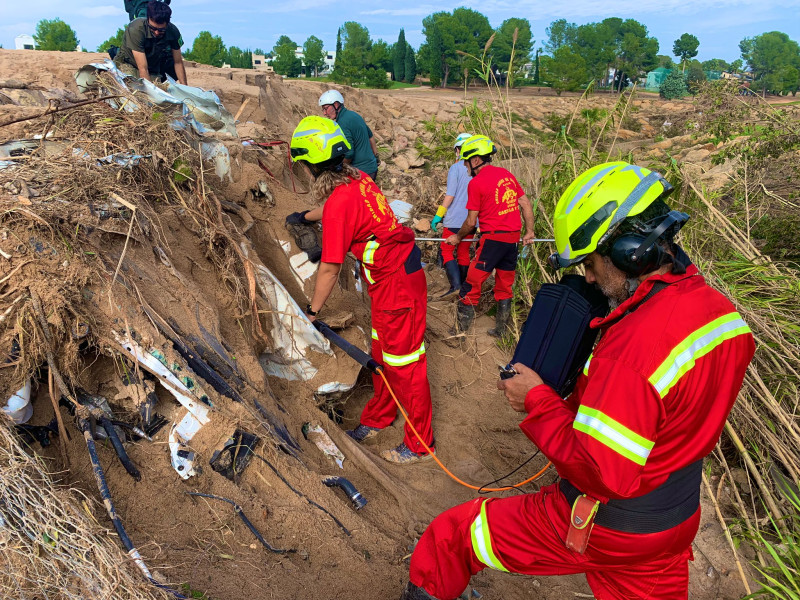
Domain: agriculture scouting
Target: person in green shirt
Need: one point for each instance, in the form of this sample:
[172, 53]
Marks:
[363, 153]
[151, 46]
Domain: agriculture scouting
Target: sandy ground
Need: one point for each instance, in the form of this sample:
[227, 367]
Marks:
[201, 542]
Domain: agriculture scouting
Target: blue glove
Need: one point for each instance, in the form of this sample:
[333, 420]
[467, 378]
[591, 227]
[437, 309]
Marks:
[435, 222]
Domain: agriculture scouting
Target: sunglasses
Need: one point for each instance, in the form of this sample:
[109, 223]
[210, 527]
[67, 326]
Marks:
[157, 29]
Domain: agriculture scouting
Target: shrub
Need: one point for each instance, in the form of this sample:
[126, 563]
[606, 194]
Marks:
[674, 86]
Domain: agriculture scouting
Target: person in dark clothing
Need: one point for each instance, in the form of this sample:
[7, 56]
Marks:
[363, 153]
[151, 46]
[137, 9]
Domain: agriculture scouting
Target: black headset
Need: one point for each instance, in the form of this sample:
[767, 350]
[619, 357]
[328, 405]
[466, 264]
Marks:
[638, 253]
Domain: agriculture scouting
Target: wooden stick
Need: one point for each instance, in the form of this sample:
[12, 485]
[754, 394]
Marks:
[727, 534]
[55, 110]
[241, 109]
[62, 432]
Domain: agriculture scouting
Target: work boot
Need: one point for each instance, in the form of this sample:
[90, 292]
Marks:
[454, 276]
[463, 271]
[413, 592]
[362, 432]
[403, 455]
[501, 318]
[464, 317]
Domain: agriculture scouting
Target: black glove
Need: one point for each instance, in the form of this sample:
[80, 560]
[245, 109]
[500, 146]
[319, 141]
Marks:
[298, 218]
[378, 160]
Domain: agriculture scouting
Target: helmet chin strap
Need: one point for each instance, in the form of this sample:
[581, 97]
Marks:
[472, 169]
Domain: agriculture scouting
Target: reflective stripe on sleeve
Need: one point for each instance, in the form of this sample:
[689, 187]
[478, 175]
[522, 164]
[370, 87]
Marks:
[400, 360]
[586, 366]
[374, 334]
[698, 344]
[613, 434]
[482, 542]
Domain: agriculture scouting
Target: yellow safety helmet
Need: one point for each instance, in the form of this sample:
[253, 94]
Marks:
[595, 204]
[477, 145]
[319, 141]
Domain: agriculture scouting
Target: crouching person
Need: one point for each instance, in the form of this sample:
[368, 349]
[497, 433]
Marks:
[629, 442]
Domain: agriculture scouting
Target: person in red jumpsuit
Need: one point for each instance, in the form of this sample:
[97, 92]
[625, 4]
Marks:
[356, 218]
[496, 198]
[629, 441]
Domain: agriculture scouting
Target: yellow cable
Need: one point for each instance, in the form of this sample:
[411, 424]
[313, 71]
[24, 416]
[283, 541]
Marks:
[436, 458]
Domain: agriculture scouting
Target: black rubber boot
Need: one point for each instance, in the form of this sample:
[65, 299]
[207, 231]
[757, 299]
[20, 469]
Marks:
[454, 277]
[463, 270]
[464, 317]
[413, 592]
[501, 318]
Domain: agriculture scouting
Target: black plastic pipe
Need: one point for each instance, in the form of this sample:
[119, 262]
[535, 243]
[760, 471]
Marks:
[105, 494]
[120, 449]
[357, 354]
[355, 496]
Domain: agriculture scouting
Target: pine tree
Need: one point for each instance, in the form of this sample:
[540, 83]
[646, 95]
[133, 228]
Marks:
[410, 71]
[338, 48]
[399, 57]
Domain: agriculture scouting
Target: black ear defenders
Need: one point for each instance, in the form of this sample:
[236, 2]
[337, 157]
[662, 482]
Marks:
[639, 253]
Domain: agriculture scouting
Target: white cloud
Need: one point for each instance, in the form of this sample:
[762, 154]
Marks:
[422, 10]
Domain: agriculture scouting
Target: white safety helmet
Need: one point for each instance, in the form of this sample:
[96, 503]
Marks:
[462, 137]
[330, 97]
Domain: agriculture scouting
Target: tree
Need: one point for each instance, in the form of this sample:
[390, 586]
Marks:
[768, 55]
[565, 71]
[352, 61]
[399, 57]
[685, 47]
[55, 35]
[695, 76]
[560, 33]
[513, 34]
[595, 43]
[338, 48]
[286, 62]
[314, 53]
[453, 44]
[114, 40]
[376, 78]
[715, 64]
[381, 56]
[736, 66]
[635, 51]
[208, 49]
[239, 59]
[410, 70]
[674, 86]
[664, 62]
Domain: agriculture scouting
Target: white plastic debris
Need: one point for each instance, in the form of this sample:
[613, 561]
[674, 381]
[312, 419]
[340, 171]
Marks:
[401, 210]
[18, 407]
[180, 435]
[322, 440]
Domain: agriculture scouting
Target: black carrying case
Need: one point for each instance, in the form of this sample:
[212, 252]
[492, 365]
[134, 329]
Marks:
[556, 339]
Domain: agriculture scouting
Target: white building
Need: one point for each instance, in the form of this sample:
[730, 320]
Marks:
[24, 42]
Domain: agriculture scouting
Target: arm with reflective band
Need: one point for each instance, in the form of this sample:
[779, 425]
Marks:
[694, 346]
[482, 541]
[602, 447]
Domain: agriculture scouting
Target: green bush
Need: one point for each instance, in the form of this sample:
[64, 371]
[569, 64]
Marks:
[674, 86]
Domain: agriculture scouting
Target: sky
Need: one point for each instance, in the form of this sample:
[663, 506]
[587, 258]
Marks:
[718, 24]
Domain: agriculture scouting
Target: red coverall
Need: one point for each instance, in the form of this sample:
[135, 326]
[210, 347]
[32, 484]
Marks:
[459, 253]
[494, 192]
[653, 399]
[356, 217]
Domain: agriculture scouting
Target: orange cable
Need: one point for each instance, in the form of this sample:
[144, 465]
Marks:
[436, 458]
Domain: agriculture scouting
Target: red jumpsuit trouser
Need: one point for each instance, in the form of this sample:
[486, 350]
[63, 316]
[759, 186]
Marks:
[399, 305]
[526, 534]
[459, 253]
[496, 252]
